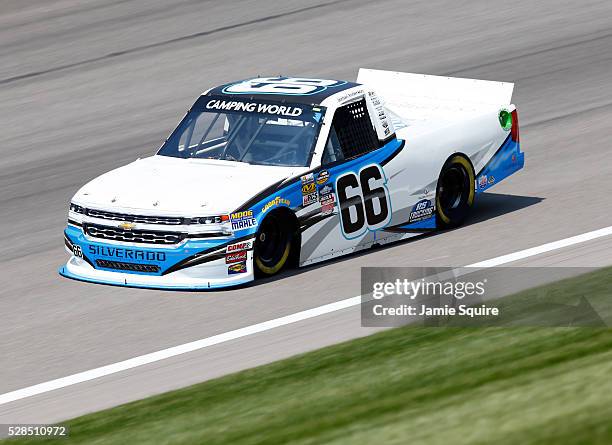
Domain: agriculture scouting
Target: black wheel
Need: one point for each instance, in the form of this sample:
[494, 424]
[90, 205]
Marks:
[455, 192]
[272, 244]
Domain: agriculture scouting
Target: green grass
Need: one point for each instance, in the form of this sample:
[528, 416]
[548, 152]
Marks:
[412, 385]
[580, 301]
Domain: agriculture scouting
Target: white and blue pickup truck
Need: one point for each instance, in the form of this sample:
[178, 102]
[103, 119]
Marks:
[269, 172]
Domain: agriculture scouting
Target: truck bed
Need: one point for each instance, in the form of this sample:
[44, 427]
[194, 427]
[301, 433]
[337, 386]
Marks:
[420, 100]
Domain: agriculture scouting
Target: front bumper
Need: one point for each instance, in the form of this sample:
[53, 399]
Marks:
[213, 272]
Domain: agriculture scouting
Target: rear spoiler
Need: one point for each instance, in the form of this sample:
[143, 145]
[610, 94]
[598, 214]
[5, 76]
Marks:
[421, 95]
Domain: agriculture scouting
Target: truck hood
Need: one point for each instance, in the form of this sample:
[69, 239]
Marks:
[163, 185]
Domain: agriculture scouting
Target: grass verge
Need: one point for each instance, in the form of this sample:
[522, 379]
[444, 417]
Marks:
[429, 385]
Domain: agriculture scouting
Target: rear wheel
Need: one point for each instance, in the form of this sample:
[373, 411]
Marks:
[272, 244]
[455, 192]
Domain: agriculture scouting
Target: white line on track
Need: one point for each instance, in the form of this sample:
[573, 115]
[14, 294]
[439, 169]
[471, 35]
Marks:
[141, 360]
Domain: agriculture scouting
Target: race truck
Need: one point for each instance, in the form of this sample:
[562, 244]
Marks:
[275, 171]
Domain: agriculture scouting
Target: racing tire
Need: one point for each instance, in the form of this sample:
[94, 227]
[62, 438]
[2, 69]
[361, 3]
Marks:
[272, 245]
[455, 192]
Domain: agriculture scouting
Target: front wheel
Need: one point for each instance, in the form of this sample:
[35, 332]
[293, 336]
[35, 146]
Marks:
[272, 245]
[455, 192]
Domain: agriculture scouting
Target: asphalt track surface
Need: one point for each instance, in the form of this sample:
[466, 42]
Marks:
[87, 86]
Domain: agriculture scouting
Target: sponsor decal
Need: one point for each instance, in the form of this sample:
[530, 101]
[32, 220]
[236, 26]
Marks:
[491, 180]
[128, 254]
[326, 190]
[482, 182]
[253, 107]
[236, 257]
[327, 209]
[276, 202]
[513, 157]
[309, 188]
[387, 131]
[243, 245]
[422, 210]
[236, 268]
[328, 199]
[328, 203]
[306, 179]
[348, 96]
[323, 177]
[425, 194]
[309, 199]
[243, 220]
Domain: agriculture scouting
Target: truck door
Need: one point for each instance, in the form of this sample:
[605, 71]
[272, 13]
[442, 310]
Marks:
[364, 201]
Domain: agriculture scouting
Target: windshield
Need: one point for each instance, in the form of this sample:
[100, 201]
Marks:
[251, 132]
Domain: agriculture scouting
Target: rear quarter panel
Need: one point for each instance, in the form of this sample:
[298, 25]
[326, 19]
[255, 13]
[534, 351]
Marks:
[411, 176]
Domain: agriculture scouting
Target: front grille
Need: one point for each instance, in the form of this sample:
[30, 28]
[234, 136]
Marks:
[143, 219]
[133, 236]
[150, 268]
